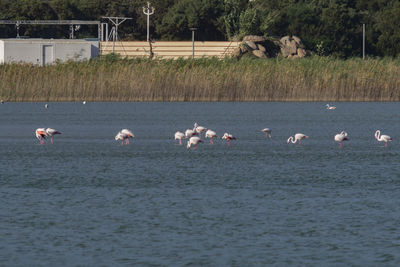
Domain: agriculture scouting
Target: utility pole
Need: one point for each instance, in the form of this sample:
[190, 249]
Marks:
[363, 41]
[114, 31]
[193, 30]
[17, 25]
[146, 11]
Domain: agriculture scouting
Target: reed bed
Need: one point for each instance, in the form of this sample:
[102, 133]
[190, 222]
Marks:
[110, 78]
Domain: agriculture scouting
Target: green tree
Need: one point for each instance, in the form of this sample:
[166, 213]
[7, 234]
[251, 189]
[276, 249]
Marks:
[387, 24]
[161, 9]
[341, 29]
[230, 19]
[33, 10]
[304, 21]
[185, 14]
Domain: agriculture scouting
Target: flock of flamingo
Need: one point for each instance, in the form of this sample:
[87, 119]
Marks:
[194, 136]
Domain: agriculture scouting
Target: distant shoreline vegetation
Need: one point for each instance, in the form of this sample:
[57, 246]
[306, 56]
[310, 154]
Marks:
[110, 78]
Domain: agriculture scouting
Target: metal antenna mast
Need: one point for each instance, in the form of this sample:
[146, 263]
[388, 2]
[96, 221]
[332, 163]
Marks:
[114, 30]
[148, 13]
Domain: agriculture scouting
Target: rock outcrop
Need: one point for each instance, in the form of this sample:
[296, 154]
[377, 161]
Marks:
[258, 46]
[259, 53]
[292, 47]
[262, 47]
[254, 38]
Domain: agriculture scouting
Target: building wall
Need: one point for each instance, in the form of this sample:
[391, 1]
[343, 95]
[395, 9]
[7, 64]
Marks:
[166, 49]
[47, 51]
[21, 52]
[64, 51]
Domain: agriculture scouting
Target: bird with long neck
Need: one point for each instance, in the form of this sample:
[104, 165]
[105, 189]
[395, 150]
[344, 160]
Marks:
[330, 107]
[199, 129]
[190, 132]
[193, 141]
[51, 132]
[382, 138]
[41, 134]
[124, 135]
[267, 132]
[211, 134]
[228, 137]
[340, 137]
[297, 137]
[179, 136]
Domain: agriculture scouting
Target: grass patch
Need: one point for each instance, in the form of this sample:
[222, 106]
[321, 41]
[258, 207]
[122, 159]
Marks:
[111, 78]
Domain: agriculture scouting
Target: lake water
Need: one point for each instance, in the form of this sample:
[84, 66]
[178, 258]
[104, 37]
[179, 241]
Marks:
[88, 201]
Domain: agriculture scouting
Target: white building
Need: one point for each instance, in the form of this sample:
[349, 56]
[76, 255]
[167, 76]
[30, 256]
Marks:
[46, 51]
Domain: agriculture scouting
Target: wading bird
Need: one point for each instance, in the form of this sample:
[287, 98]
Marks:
[193, 141]
[330, 107]
[189, 133]
[297, 137]
[267, 132]
[179, 136]
[51, 132]
[382, 138]
[41, 135]
[124, 134]
[340, 137]
[211, 134]
[199, 129]
[228, 137]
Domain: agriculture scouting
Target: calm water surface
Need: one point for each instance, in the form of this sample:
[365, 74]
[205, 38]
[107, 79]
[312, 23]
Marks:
[87, 201]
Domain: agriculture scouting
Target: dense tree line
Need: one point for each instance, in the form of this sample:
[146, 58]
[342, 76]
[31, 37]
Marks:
[328, 27]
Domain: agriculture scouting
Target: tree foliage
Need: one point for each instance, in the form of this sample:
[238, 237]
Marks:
[330, 27]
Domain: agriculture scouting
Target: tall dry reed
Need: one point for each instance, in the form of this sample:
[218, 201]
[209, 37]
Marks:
[114, 79]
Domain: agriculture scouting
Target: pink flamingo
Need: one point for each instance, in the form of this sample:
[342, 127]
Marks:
[228, 137]
[382, 138]
[189, 133]
[330, 107]
[179, 136]
[211, 134]
[41, 135]
[124, 134]
[341, 137]
[194, 140]
[51, 132]
[267, 132]
[297, 137]
[199, 129]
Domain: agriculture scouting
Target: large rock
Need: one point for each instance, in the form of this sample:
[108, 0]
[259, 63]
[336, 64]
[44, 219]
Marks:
[292, 46]
[285, 46]
[251, 44]
[261, 48]
[237, 52]
[243, 48]
[259, 53]
[298, 41]
[254, 38]
[285, 51]
[285, 40]
[301, 52]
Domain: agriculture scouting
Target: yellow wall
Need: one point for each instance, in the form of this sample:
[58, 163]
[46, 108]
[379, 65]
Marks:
[169, 49]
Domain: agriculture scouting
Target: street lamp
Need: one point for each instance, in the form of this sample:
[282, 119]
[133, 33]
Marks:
[146, 11]
[363, 41]
[193, 30]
